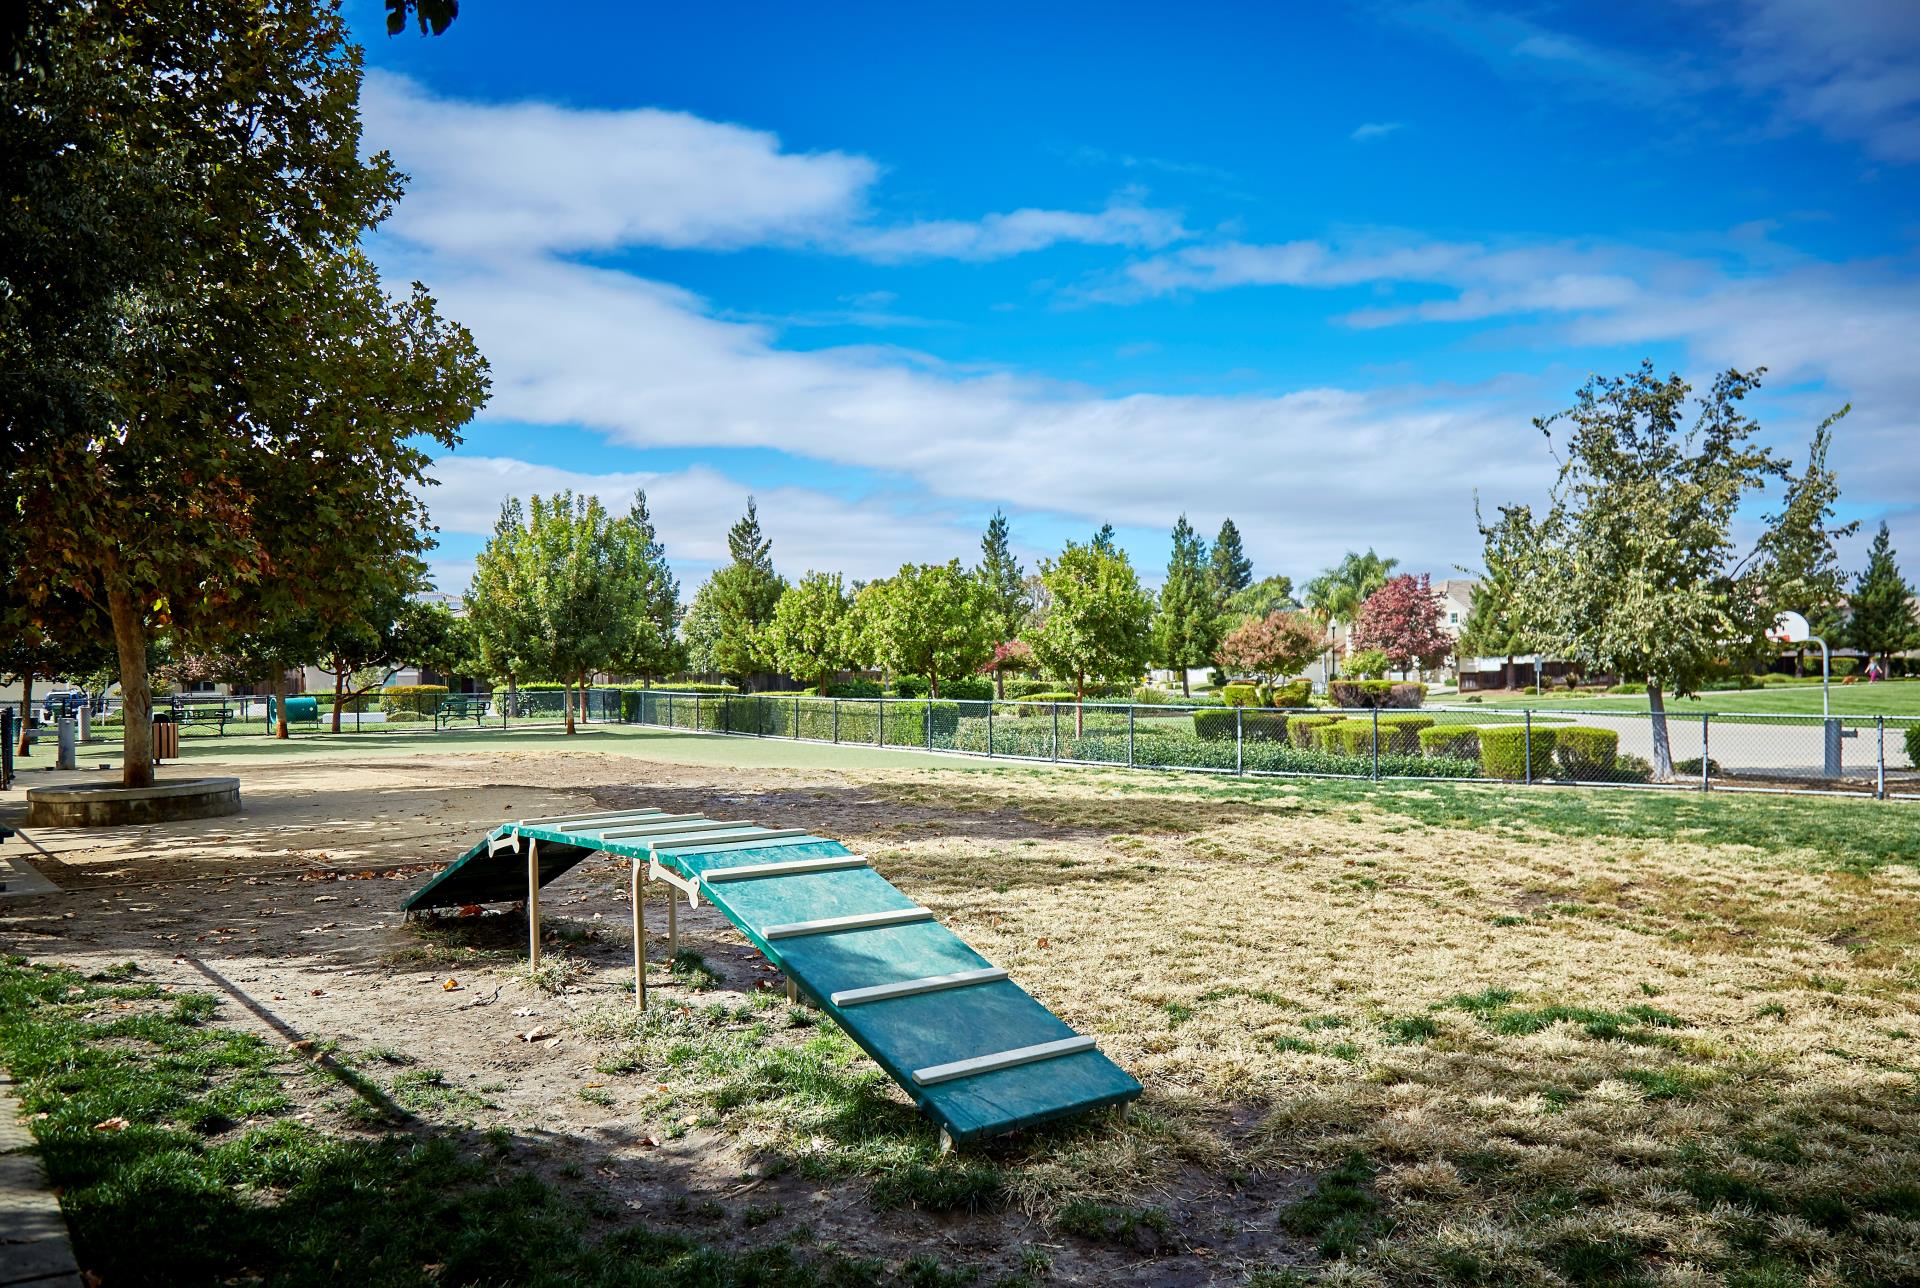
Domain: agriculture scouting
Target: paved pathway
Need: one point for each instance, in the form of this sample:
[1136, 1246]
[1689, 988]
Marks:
[34, 1252]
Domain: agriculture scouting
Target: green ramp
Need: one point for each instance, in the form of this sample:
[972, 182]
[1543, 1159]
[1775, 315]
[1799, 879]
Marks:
[975, 1051]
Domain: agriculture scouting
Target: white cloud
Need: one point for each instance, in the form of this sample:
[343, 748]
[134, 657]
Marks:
[692, 509]
[518, 179]
[1375, 130]
[1851, 69]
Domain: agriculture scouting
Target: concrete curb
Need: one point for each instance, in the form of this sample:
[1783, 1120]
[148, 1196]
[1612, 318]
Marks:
[34, 1249]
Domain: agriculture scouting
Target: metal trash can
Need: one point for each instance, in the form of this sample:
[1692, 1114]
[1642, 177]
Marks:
[166, 736]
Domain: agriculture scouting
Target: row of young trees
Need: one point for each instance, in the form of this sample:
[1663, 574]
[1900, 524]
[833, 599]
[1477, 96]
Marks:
[1634, 568]
[212, 412]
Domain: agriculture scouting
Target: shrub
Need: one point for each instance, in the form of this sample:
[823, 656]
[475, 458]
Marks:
[1631, 769]
[1181, 750]
[771, 716]
[1354, 694]
[1690, 767]
[1504, 752]
[1367, 664]
[1626, 690]
[412, 699]
[857, 688]
[1532, 690]
[1216, 725]
[1451, 740]
[1026, 687]
[688, 687]
[1586, 754]
[1844, 665]
[1036, 700]
[1401, 734]
[1241, 695]
[1300, 729]
[1250, 725]
[1294, 693]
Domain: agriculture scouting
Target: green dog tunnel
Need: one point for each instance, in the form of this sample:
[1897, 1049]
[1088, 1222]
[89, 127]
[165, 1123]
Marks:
[972, 1048]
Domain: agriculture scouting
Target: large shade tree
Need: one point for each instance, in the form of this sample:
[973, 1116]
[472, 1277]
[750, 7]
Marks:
[1634, 569]
[229, 412]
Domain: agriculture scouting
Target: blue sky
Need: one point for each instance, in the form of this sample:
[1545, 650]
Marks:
[890, 269]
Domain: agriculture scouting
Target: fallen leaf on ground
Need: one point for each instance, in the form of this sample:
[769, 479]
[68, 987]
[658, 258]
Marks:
[535, 1034]
[112, 1124]
[450, 985]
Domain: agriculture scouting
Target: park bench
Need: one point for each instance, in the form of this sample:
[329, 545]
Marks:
[203, 713]
[461, 706]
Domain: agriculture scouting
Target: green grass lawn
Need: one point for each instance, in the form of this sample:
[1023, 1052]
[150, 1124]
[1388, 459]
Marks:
[1887, 698]
[181, 1155]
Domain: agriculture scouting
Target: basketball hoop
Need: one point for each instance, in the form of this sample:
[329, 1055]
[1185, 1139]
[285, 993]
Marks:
[1790, 628]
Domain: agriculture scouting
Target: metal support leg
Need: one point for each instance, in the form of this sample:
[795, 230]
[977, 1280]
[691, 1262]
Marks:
[639, 939]
[533, 904]
[793, 994]
[673, 926]
[946, 1142]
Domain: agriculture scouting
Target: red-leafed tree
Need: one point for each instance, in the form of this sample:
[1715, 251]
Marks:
[1402, 620]
[1269, 648]
[1009, 655]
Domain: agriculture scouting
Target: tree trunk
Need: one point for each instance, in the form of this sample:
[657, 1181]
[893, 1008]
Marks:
[136, 699]
[933, 686]
[1506, 673]
[339, 690]
[566, 700]
[1185, 692]
[1079, 703]
[1000, 685]
[1662, 741]
[278, 684]
[26, 708]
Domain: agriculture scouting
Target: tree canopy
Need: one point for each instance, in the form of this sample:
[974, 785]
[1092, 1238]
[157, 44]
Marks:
[1269, 648]
[1798, 563]
[742, 596]
[813, 633]
[1402, 620]
[1186, 628]
[1882, 621]
[927, 620]
[1098, 618]
[229, 411]
[1633, 569]
[1007, 602]
[1230, 570]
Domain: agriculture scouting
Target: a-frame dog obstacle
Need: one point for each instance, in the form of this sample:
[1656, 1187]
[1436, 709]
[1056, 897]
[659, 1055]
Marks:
[974, 1050]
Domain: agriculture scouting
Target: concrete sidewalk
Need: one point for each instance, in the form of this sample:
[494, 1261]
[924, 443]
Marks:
[34, 1251]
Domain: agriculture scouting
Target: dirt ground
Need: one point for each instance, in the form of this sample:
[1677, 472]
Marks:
[292, 910]
[1553, 1056]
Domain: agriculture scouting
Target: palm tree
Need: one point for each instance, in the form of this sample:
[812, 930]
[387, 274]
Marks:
[1335, 596]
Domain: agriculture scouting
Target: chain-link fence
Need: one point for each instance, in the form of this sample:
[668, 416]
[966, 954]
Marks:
[1871, 755]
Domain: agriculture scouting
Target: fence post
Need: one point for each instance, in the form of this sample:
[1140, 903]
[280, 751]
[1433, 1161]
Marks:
[1240, 740]
[696, 713]
[927, 719]
[1705, 759]
[836, 722]
[1056, 730]
[796, 717]
[879, 722]
[989, 728]
[1880, 764]
[1376, 744]
[1130, 711]
[1526, 741]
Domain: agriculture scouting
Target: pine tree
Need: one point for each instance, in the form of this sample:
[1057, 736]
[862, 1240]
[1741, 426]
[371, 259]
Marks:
[1882, 620]
[1800, 568]
[1004, 583]
[1103, 539]
[1232, 570]
[1184, 631]
[743, 596]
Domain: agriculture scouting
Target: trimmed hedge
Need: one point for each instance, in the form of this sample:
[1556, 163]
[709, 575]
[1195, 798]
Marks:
[691, 688]
[1024, 686]
[1252, 724]
[1504, 752]
[787, 717]
[977, 688]
[854, 689]
[1186, 751]
[1300, 729]
[1294, 693]
[1913, 744]
[1586, 754]
[1451, 740]
[412, 699]
[1354, 694]
[1242, 695]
